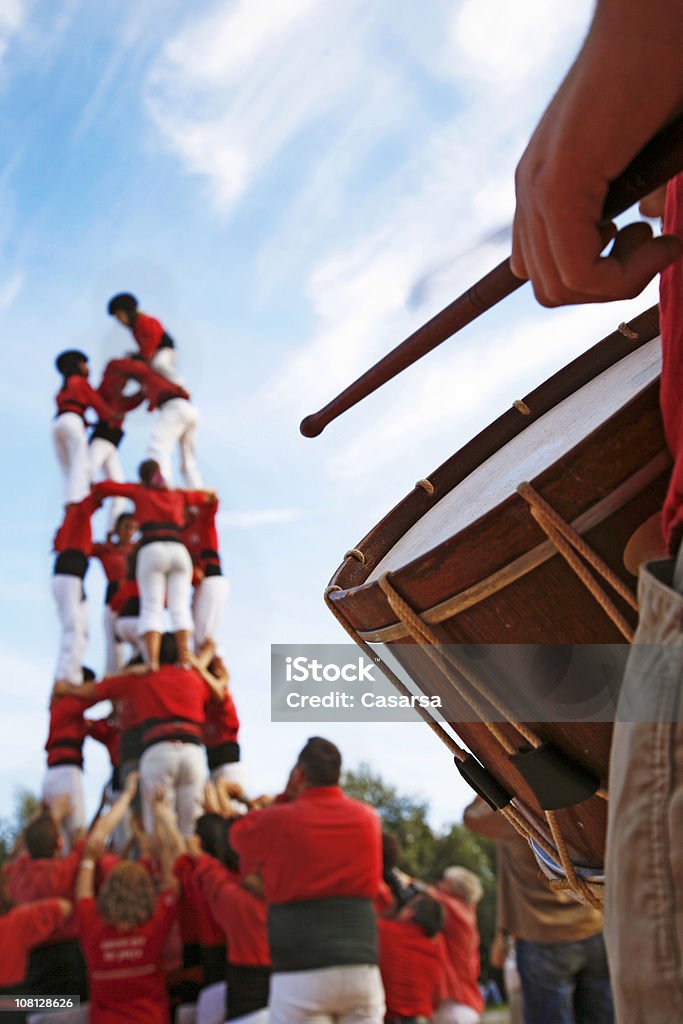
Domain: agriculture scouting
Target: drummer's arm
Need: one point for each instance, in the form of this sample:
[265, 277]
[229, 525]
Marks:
[481, 819]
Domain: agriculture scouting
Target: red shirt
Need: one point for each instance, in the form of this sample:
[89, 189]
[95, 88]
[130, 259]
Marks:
[75, 533]
[153, 504]
[168, 703]
[77, 395]
[671, 320]
[114, 559]
[22, 928]
[125, 974]
[242, 916]
[221, 724]
[126, 590]
[411, 966]
[109, 735]
[155, 386]
[321, 845]
[111, 390]
[200, 536]
[43, 878]
[148, 333]
[197, 918]
[67, 731]
[461, 946]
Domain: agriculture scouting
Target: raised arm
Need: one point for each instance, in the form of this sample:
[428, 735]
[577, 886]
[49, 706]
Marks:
[106, 823]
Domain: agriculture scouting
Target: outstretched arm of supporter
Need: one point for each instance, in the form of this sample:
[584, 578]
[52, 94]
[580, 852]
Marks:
[82, 691]
[85, 879]
[217, 686]
[106, 823]
[626, 84]
[168, 835]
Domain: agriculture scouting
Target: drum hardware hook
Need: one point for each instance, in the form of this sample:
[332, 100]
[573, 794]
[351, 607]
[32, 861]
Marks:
[522, 407]
[624, 329]
[357, 554]
[427, 486]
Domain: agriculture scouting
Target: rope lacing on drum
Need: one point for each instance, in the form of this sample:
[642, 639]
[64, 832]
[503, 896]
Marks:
[570, 544]
[456, 750]
[431, 644]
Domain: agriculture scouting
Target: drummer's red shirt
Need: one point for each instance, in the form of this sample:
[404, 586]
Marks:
[671, 320]
[21, 929]
[321, 845]
[461, 948]
[411, 965]
[125, 974]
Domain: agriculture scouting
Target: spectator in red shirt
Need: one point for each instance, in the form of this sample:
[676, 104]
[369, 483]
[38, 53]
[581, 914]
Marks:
[411, 959]
[164, 566]
[22, 928]
[123, 933]
[113, 554]
[155, 345]
[459, 891]
[74, 398]
[320, 856]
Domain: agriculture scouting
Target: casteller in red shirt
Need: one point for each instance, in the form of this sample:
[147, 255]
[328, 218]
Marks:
[126, 979]
[671, 322]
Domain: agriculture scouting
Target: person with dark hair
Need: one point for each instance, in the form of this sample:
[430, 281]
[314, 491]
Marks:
[411, 959]
[164, 566]
[113, 553]
[64, 772]
[74, 398]
[168, 705]
[176, 420]
[320, 856]
[21, 929]
[73, 546]
[125, 608]
[105, 438]
[154, 343]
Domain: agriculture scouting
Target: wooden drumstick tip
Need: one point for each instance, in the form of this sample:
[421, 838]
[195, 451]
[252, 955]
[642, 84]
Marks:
[313, 425]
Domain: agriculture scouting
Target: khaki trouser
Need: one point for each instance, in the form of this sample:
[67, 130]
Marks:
[644, 901]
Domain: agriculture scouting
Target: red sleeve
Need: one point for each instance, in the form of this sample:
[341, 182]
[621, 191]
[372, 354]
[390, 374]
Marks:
[130, 402]
[98, 729]
[197, 497]
[88, 919]
[95, 400]
[34, 922]
[114, 687]
[148, 333]
[213, 878]
[111, 489]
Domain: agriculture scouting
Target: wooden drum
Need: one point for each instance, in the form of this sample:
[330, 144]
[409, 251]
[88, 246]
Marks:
[519, 538]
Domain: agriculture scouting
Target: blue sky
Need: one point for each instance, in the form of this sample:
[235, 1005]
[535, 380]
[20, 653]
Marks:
[288, 185]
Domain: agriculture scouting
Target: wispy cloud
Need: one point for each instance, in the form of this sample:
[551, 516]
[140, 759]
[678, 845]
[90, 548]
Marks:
[257, 517]
[13, 14]
[9, 290]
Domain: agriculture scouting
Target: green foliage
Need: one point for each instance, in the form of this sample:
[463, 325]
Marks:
[427, 853]
[25, 805]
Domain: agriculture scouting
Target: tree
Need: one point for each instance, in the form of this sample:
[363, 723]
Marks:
[25, 806]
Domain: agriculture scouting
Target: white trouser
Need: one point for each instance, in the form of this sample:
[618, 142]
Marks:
[164, 363]
[180, 770]
[208, 602]
[450, 1012]
[66, 778]
[115, 650]
[105, 460]
[176, 423]
[340, 995]
[233, 772]
[164, 569]
[72, 609]
[71, 445]
[211, 1004]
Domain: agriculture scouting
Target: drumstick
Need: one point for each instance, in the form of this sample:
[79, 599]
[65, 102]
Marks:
[658, 161]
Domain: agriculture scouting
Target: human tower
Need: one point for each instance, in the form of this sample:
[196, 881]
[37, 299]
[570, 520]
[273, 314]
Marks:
[163, 567]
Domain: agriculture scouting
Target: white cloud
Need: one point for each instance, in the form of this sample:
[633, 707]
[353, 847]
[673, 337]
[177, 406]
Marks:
[9, 290]
[257, 517]
[13, 14]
